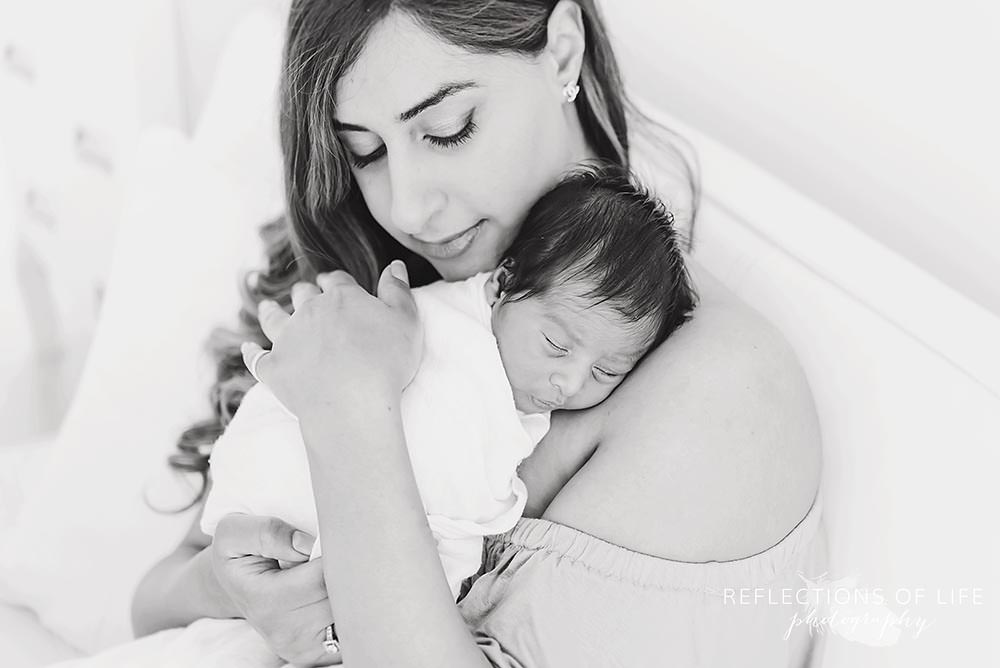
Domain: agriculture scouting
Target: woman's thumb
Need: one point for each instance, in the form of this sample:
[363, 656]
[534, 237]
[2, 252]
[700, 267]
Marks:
[394, 286]
[398, 269]
[239, 534]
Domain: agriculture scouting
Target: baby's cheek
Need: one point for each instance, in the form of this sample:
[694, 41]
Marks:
[605, 393]
[526, 372]
[605, 390]
[590, 395]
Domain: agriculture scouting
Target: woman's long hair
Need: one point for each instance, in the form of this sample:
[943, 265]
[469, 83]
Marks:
[327, 225]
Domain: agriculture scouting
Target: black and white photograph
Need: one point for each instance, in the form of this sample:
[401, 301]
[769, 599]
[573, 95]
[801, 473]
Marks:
[499, 333]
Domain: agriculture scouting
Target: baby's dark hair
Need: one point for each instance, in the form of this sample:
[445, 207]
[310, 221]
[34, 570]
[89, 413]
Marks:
[600, 227]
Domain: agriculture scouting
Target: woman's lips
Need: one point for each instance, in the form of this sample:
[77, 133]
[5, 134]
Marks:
[452, 246]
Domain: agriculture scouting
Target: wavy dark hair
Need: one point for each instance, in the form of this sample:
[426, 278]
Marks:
[327, 225]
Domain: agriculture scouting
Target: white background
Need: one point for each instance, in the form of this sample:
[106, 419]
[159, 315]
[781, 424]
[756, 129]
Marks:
[883, 113]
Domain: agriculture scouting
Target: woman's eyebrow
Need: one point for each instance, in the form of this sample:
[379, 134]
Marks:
[436, 97]
[439, 95]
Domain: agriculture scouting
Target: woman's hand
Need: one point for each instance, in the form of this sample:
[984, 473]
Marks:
[341, 343]
[287, 606]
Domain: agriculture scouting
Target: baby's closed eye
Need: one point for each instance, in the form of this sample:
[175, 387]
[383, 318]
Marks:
[602, 374]
[555, 347]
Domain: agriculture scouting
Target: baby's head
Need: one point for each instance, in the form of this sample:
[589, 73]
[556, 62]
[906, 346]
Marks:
[593, 281]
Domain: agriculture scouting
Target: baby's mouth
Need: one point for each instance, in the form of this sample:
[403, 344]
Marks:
[547, 405]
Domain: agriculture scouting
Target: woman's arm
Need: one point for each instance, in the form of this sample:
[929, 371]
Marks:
[180, 589]
[391, 600]
[340, 364]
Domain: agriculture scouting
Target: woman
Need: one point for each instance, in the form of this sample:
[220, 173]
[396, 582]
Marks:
[425, 130]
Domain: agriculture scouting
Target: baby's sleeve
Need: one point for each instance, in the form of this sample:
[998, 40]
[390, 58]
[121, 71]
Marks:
[259, 467]
[460, 559]
[460, 541]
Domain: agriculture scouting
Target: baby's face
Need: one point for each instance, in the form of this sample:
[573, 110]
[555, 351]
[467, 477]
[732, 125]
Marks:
[561, 351]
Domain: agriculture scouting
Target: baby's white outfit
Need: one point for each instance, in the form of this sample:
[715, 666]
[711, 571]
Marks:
[464, 435]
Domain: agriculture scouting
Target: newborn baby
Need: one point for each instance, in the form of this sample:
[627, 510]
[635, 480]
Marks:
[593, 281]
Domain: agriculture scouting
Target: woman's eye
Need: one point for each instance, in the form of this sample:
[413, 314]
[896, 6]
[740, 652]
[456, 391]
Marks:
[362, 161]
[459, 137]
[555, 346]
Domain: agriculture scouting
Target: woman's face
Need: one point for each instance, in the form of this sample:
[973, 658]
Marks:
[451, 149]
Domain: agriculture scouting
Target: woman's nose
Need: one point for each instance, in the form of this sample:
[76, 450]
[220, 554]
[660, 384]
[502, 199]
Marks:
[416, 198]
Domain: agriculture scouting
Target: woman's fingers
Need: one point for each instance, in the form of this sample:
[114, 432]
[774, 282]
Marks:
[239, 535]
[253, 355]
[313, 621]
[272, 318]
[394, 287]
[335, 279]
[306, 579]
[301, 292]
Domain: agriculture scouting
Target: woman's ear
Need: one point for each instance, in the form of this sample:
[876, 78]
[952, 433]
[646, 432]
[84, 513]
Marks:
[567, 41]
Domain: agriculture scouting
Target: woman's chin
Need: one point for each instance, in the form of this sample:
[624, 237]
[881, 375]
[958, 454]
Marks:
[463, 266]
[482, 254]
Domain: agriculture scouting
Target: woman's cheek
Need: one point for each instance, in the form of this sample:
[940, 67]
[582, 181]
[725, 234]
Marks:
[377, 197]
[503, 159]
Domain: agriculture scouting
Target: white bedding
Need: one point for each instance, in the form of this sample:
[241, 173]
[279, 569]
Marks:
[20, 466]
[207, 643]
[25, 643]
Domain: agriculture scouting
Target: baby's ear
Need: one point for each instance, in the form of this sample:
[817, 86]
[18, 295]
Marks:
[498, 280]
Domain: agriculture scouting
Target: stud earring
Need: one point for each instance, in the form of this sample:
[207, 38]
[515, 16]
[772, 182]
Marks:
[570, 91]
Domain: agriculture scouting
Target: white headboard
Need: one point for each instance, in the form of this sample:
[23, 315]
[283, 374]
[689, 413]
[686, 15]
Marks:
[202, 32]
[877, 109]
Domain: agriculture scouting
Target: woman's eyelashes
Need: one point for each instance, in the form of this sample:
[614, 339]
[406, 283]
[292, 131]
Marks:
[447, 141]
[457, 138]
[362, 161]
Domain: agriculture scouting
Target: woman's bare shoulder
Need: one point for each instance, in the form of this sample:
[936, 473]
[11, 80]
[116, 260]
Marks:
[709, 451]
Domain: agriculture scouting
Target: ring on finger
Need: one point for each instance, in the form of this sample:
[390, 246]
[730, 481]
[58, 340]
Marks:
[253, 364]
[331, 645]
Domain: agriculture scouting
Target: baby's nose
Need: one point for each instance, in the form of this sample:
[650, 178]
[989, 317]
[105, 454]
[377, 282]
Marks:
[568, 382]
